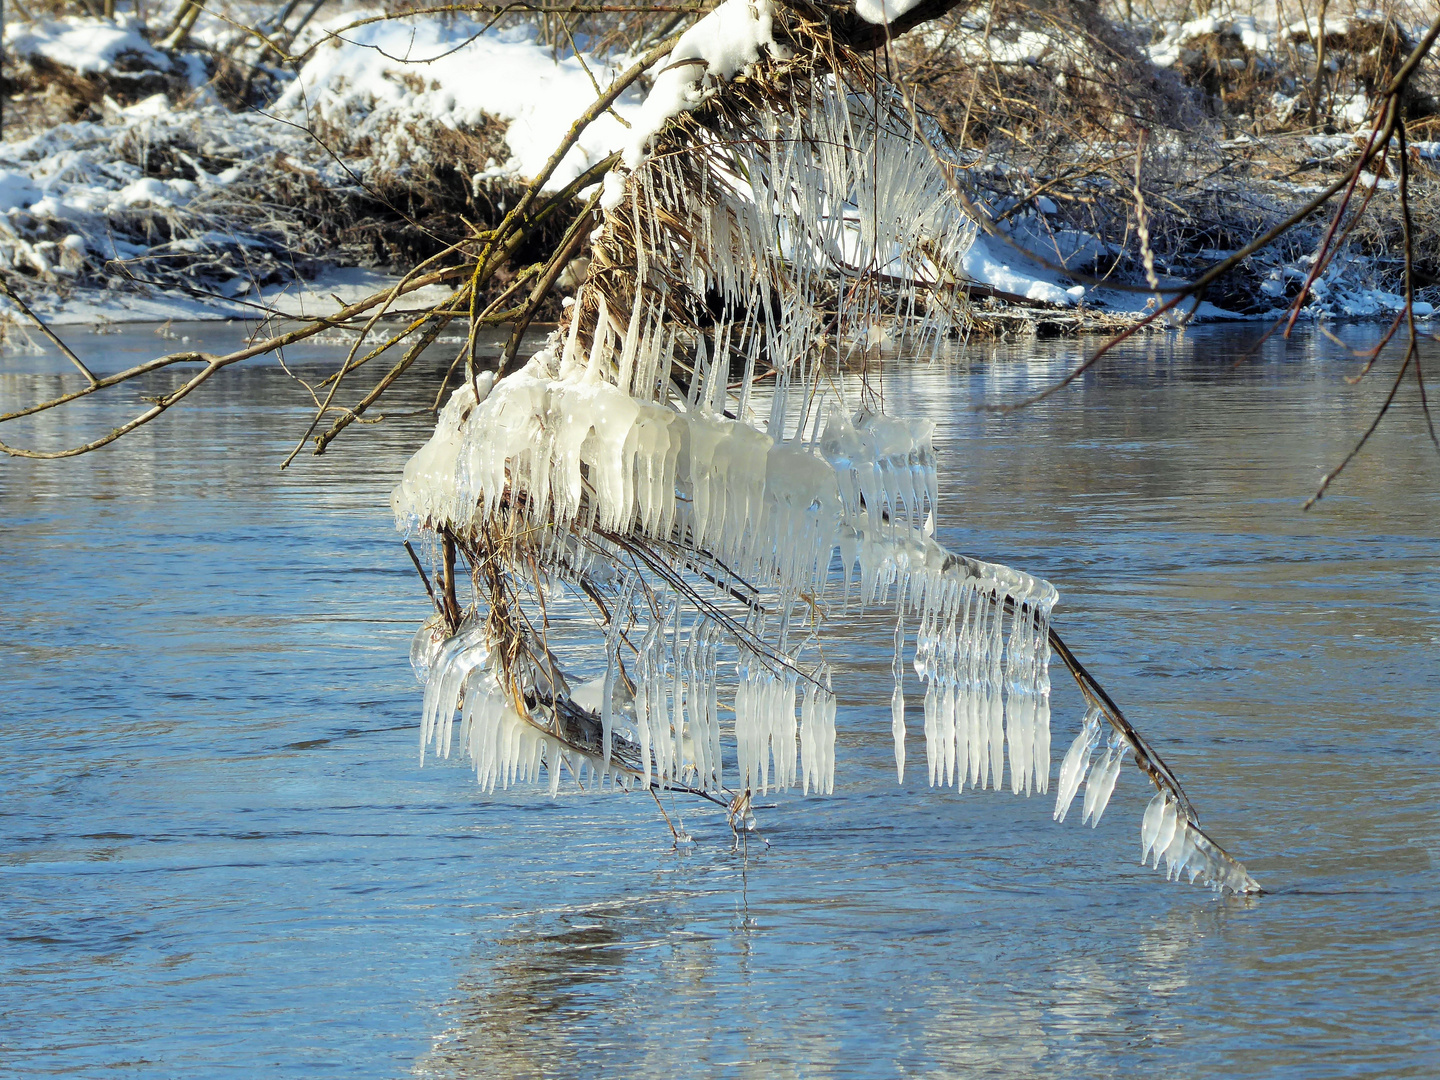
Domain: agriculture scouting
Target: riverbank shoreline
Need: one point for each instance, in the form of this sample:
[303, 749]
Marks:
[137, 182]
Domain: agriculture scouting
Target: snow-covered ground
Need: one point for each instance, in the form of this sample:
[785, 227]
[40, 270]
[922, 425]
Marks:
[79, 198]
[92, 46]
[379, 80]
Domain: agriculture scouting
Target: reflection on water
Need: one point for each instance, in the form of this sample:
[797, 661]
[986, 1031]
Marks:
[217, 852]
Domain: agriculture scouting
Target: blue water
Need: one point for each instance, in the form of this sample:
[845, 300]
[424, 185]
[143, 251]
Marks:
[218, 855]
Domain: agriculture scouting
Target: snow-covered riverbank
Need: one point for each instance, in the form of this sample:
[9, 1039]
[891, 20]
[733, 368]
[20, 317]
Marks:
[165, 197]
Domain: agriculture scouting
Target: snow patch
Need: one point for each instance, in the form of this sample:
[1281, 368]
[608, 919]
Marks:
[714, 50]
[86, 45]
[17, 190]
[883, 12]
[1013, 273]
[376, 80]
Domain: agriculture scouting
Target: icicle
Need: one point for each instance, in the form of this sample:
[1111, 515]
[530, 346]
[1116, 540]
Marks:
[630, 347]
[932, 733]
[827, 728]
[897, 701]
[994, 685]
[1077, 761]
[809, 739]
[612, 664]
[1101, 781]
[674, 738]
[1150, 825]
[950, 737]
[599, 344]
[570, 357]
[695, 700]
[1166, 832]
[1180, 851]
[1107, 784]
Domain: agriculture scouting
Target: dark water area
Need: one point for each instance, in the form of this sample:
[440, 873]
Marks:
[219, 857]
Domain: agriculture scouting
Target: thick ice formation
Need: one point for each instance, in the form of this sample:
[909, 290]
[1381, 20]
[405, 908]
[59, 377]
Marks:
[504, 747]
[708, 524]
[1167, 831]
[852, 519]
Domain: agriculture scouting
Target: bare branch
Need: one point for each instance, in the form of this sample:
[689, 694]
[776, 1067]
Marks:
[44, 329]
[212, 363]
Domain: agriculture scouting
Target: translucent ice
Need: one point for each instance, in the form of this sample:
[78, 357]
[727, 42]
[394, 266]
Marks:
[1077, 761]
[1150, 825]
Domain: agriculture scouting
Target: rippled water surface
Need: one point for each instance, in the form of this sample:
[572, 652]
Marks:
[218, 855]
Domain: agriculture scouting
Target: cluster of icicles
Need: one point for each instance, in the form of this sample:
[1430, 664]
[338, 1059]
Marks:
[673, 721]
[593, 448]
[504, 748]
[1166, 830]
[847, 511]
[838, 195]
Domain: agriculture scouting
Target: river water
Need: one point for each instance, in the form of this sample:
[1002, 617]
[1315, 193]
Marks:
[218, 855]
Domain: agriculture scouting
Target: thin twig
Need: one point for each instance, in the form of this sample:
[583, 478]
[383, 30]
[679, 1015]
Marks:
[44, 329]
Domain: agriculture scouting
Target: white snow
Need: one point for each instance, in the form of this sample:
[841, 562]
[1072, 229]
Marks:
[1029, 47]
[994, 263]
[340, 286]
[84, 44]
[881, 12]
[1354, 110]
[1174, 47]
[377, 79]
[17, 190]
[78, 187]
[378, 82]
[714, 50]
[75, 196]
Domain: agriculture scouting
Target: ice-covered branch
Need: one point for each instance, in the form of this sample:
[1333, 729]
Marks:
[693, 459]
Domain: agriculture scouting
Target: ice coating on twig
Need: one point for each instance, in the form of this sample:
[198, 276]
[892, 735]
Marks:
[1150, 825]
[1102, 781]
[1169, 830]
